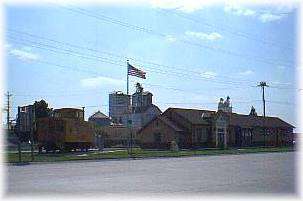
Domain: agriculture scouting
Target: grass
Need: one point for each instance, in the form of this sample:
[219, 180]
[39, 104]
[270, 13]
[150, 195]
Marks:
[137, 153]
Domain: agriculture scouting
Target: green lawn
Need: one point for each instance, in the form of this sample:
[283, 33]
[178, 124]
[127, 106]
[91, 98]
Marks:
[137, 153]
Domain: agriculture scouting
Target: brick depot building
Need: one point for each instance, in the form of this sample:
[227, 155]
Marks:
[192, 128]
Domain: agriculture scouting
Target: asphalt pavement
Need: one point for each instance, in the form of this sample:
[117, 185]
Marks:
[270, 173]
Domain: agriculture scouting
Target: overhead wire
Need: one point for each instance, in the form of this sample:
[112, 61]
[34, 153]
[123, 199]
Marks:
[130, 58]
[105, 60]
[130, 26]
[225, 28]
[117, 62]
[154, 69]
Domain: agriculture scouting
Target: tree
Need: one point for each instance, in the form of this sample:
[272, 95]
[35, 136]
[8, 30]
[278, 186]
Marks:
[41, 109]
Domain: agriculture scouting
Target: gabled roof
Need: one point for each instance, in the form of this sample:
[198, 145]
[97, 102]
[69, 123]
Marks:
[194, 116]
[98, 115]
[252, 121]
[153, 106]
[144, 93]
[165, 120]
[145, 109]
[169, 123]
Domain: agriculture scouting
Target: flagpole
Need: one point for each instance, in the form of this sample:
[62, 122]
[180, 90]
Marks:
[127, 79]
[127, 122]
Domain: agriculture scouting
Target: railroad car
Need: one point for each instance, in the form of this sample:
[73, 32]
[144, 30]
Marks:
[65, 130]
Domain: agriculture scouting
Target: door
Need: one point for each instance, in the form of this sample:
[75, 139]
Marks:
[157, 140]
[238, 136]
[220, 137]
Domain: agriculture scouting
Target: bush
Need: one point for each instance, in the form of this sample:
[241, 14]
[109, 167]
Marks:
[174, 146]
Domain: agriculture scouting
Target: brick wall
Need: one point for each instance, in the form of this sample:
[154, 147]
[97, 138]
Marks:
[147, 137]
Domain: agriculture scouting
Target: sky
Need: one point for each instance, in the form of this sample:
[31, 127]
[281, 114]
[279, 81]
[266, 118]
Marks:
[193, 54]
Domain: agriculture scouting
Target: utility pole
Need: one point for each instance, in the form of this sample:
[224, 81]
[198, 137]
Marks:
[33, 128]
[8, 95]
[18, 135]
[263, 85]
[131, 142]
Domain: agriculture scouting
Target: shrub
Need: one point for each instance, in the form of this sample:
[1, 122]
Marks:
[174, 146]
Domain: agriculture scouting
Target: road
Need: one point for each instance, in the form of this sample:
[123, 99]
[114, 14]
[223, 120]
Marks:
[271, 173]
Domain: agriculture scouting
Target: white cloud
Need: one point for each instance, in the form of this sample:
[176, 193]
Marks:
[24, 54]
[171, 38]
[7, 46]
[99, 81]
[246, 73]
[204, 36]
[286, 7]
[208, 74]
[268, 17]
[237, 10]
[187, 6]
[280, 83]
[281, 67]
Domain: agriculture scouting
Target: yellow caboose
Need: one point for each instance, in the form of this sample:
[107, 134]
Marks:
[65, 130]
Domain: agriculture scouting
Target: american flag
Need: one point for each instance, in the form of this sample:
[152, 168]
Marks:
[135, 72]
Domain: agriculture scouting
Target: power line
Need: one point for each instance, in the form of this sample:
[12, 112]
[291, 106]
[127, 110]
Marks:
[63, 43]
[226, 29]
[114, 62]
[98, 58]
[155, 71]
[119, 56]
[115, 55]
[97, 73]
[149, 31]
[64, 51]
[168, 88]
[153, 63]
[148, 84]
[189, 103]
[123, 57]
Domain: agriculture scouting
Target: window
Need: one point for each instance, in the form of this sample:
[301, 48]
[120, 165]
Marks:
[157, 137]
[220, 133]
[268, 131]
[201, 134]
[59, 127]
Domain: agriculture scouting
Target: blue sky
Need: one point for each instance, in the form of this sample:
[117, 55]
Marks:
[75, 55]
